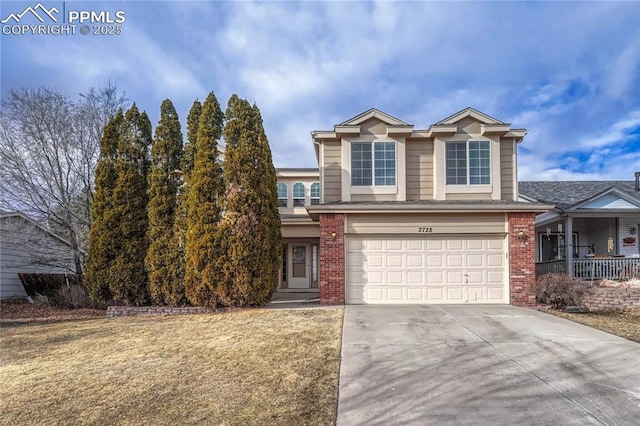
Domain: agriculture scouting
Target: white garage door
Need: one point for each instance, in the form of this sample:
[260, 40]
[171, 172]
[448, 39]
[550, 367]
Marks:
[426, 270]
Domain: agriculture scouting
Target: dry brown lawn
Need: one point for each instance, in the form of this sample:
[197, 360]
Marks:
[242, 367]
[624, 323]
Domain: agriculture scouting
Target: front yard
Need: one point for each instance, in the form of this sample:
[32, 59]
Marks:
[243, 367]
[624, 323]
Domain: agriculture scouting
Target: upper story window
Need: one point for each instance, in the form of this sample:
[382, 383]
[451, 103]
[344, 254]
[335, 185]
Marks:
[373, 163]
[282, 194]
[314, 193]
[468, 163]
[298, 194]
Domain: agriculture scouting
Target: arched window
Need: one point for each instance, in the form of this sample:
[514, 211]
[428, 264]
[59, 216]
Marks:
[314, 193]
[282, 194]
[298, 194]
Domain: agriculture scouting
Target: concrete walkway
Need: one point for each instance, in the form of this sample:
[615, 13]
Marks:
[483, 365]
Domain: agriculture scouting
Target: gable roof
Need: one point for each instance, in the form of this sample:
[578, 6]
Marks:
[566, 194]
[374, 113]
[470, 112]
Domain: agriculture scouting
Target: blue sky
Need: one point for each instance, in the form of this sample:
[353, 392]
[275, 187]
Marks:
[568, 72]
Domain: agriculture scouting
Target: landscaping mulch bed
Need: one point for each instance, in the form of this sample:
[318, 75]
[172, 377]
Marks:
[13, 314]
[624, 323]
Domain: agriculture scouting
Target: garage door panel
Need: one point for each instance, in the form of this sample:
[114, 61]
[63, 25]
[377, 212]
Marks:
[416, 295]
[426, 269]
[475, 260]
[454, 260]
[395, 295]
[454, 277]
[495, 277]
[454, 245]
[374, 277]
[435, 260]
[495, 260]
[415, 245]
[395, 277]
[395, 245]
[416, 277]
[374, 261]
[495, 294]
[394, 260]
[495, 244]
[435, 277]
[415, 261]
[454, 294]
[435, 295]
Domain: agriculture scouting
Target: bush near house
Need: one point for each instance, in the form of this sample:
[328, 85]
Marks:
[561, 291]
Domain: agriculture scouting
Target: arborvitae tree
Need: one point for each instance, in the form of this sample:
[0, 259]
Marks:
[128, 276]
[189, 154]
[203, 205]
[104, 229]
[162, 260]
[249, 232]
[186, 167]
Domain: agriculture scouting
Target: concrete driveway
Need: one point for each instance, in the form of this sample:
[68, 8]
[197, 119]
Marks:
[483, 365]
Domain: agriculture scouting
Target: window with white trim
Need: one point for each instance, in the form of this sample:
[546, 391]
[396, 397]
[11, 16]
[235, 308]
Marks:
[468, 163]
[314, 193]
[373, 163]
[282, 194]
[298, 194]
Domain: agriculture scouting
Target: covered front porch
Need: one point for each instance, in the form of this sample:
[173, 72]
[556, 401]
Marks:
[299, 272]
[589, 245]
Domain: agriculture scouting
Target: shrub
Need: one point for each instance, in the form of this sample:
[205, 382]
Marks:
[561, 291]
[60, 290]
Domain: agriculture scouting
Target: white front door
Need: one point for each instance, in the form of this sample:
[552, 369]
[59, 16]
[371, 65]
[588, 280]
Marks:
[299, 266]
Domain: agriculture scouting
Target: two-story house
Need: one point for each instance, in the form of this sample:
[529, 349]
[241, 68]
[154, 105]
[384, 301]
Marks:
[397, 215]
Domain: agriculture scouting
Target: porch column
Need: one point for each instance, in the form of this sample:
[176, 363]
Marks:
[568, 244]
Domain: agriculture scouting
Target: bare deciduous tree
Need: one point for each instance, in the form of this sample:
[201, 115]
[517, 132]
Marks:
[49, 146]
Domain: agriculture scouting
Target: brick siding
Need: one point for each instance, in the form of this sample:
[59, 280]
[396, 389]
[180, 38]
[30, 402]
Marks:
[609, 298]
[332, 271]
[522, 259]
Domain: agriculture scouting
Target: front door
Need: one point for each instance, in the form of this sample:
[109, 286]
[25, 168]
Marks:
[299, 266]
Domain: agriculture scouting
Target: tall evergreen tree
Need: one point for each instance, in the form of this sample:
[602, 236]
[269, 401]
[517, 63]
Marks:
[128, 278]
[249, 233]
[163, 257]
[104, 229]
[203, 206]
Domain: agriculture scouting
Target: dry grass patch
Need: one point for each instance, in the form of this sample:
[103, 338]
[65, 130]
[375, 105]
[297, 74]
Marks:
[624, 323]
[242, 367]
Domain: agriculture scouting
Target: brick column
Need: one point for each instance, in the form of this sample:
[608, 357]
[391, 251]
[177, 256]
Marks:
[332, 259]
[522, 259]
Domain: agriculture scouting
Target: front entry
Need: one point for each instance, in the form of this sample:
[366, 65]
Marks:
[299, 265]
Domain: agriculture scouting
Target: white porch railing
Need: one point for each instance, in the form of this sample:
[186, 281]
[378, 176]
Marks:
[594, 268]
[607, 268]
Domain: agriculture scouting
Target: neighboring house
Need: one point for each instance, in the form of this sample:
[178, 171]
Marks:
[603, 219]
[397, 215]
[27, 247]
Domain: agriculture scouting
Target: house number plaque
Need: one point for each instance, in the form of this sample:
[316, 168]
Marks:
[425, 229]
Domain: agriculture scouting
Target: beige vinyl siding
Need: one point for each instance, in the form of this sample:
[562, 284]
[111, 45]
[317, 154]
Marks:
[419, 170]
[469, 126]
[373, 126]
[301, 231]
[469, 196]
[507, 170]
[624, 225]
[373, 197]
[332, 170]
[476, 223]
